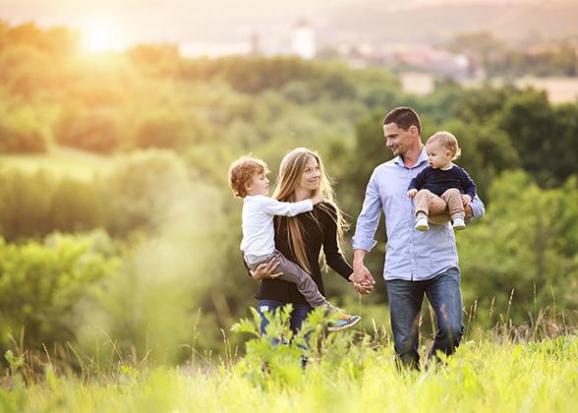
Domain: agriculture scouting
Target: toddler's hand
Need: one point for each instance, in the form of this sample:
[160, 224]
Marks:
[412, 193]
[466, 200]
[317, 199]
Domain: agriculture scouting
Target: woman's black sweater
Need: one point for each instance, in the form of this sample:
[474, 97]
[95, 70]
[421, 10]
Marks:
[316, 234]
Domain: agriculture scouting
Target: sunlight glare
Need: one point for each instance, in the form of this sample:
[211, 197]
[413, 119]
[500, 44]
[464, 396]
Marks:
[102, 35]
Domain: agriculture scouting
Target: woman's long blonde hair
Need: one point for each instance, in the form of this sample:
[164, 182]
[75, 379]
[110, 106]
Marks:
[290, 171]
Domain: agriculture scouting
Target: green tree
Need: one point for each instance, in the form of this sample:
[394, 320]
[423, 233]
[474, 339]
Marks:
[544, 136]
[90, 130]
[526, 242]
[162, 130]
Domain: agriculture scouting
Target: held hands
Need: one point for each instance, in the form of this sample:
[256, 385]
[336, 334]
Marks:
[412, 193]
[466, 200]
[362, 279]
[266, 270]
[317, 199]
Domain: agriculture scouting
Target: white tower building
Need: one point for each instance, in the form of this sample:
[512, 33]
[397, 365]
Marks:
[303, 40]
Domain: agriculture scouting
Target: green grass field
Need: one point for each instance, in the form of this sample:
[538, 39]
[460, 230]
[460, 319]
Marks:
[486, 376]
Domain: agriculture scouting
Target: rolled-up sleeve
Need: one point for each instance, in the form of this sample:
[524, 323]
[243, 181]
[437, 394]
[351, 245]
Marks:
[478, 208]
[368, 219]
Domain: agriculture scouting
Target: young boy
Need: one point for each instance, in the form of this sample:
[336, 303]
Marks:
[442, 184]
[248, 180]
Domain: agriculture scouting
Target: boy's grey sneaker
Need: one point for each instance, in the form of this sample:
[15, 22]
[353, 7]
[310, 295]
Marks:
[421, 223]
[343, 322]
[459, 224]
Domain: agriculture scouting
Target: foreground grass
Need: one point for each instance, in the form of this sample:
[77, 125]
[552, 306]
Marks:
[482, 376]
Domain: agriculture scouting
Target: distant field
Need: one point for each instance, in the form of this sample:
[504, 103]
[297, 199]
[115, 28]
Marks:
[60, 161]
[559, 89]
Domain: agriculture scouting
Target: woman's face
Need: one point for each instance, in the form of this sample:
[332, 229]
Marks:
[311, 176]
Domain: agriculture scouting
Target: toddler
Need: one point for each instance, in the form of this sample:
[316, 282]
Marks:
[442, 185]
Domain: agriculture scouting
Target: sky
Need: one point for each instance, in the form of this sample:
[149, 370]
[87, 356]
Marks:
[175, 20]
[129, 22]
[156, 19]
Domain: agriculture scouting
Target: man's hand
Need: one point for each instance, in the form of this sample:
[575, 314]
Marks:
[361, 275]
[360, 272]
[412, 193]
[361, 278]
[361, 287]
[466, 200]
[266, 270]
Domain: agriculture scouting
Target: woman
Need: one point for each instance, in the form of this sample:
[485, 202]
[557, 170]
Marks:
[301, 238]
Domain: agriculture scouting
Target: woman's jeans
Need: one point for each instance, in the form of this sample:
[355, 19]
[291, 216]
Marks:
[298, 315]
[405, 299]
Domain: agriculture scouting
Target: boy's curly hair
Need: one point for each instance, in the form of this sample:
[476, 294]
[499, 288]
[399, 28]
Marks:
[241, 171]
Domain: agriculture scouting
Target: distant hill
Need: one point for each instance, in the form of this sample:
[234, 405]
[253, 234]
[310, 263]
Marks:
[424, 22]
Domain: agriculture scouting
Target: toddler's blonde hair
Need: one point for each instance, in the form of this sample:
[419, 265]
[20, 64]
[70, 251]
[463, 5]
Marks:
[448, 141]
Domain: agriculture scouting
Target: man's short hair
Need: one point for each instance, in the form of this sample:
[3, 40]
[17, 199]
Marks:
[403, 117]
[242, 171]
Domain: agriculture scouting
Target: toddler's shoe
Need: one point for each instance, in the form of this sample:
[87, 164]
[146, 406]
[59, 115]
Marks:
[421, 223]
[343, 321]
[459, 224]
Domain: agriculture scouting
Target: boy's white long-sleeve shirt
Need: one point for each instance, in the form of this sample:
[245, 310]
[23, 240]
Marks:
[257, 224]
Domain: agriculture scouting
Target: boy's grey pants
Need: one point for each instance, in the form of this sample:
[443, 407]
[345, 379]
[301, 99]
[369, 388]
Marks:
[291, 273]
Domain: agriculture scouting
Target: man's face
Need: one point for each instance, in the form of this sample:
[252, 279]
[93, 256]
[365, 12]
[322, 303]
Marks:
[397, 139]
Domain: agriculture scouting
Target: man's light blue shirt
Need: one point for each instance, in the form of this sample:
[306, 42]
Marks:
[410, 254]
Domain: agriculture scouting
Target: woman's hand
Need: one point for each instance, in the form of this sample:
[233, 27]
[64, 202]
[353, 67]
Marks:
[363, 289]
[362, 285]
[266, 270]
[317, 199]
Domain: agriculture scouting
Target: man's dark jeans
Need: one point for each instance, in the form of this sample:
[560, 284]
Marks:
[405, 299]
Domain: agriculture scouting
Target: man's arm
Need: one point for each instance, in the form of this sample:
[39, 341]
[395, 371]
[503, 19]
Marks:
[478, 208]
[361, 278]
[363, 240]
[368, 218]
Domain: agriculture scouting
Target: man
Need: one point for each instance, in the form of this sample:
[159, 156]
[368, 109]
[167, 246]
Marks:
[417, 263]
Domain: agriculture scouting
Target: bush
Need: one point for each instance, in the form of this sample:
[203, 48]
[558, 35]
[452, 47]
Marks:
[42, 282]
